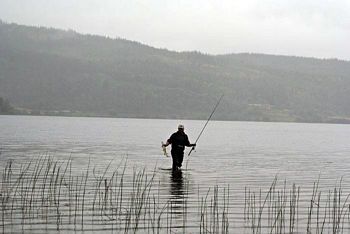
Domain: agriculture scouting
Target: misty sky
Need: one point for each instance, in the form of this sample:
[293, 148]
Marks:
[313, 28]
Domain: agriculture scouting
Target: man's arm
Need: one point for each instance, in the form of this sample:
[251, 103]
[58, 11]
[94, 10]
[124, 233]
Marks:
[169, 141]
[166, 143]
[188, 144]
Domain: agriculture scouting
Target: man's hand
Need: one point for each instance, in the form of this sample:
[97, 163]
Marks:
[164, 149]
[193, 148]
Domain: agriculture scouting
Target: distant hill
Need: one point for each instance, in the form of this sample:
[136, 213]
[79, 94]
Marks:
[5, 107]
[50, 71]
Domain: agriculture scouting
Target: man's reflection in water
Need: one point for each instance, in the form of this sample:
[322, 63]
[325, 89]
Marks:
[178, 194]
[177, 184]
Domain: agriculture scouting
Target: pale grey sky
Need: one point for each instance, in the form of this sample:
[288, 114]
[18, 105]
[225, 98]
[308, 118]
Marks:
[312, 28]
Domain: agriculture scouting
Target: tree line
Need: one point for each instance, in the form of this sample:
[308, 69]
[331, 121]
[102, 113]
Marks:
[63, 72]
[5, 107]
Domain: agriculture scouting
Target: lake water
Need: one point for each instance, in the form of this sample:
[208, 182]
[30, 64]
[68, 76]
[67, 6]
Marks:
[234, 155]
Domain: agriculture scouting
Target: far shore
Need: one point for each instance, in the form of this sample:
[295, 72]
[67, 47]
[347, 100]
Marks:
[332, 120]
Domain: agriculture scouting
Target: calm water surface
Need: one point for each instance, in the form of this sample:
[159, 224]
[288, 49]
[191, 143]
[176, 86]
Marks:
[227, 152]
[234, 154]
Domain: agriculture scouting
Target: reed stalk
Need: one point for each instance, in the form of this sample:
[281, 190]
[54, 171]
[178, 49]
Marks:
[47, 192]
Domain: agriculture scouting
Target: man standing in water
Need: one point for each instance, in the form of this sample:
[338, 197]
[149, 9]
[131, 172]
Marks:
[178, 141]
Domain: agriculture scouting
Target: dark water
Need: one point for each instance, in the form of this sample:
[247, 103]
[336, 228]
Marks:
[236, 156]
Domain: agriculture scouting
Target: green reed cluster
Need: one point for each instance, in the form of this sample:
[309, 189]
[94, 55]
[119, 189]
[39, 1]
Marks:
[283, 210]
[50, 195]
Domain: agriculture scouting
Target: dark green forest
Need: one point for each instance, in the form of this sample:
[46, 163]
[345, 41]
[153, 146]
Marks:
[58, 72]
[5, 107]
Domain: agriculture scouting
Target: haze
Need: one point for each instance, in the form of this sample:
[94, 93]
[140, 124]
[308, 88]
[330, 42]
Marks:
[301, 27]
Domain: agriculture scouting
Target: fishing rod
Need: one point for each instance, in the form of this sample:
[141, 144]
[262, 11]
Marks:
[205, 125]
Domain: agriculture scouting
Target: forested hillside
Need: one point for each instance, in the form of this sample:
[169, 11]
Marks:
[52, 71]
[5, 107]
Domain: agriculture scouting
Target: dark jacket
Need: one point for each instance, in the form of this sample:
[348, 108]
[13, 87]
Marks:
[178, 141]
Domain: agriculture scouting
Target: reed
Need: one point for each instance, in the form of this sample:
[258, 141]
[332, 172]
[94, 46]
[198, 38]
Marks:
[47, 192]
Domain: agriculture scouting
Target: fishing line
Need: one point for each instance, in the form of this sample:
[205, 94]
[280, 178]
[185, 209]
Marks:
[205, 125]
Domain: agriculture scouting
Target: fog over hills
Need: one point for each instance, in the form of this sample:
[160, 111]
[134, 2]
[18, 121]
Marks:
[52, 71]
